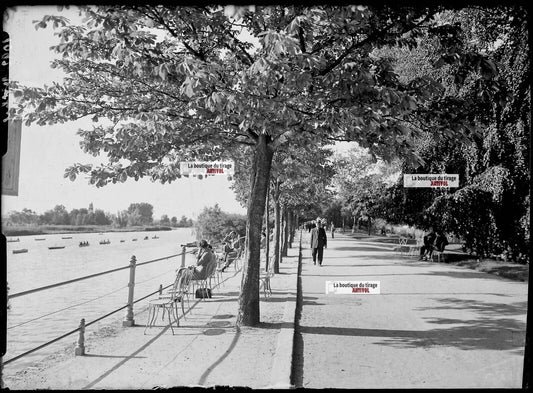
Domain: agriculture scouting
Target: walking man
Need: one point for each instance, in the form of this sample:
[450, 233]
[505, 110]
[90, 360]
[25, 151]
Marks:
[319, 241]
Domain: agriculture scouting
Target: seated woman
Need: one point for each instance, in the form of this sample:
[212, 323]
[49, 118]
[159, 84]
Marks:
[204, 258]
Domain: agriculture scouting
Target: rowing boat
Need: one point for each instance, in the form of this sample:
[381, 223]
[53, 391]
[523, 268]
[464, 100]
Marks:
[56, 247]
[21, 251]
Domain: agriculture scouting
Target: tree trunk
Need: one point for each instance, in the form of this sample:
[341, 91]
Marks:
[276, 228]
[267, 230]
[248, 314]
[369, 225]
[291, 228]
[286, 214]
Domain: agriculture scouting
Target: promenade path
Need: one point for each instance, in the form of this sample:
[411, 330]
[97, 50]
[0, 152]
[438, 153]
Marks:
[433, 325]
[206, 350]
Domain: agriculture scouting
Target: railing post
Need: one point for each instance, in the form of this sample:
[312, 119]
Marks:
[128, 319]
[183, 251]
[80, 347]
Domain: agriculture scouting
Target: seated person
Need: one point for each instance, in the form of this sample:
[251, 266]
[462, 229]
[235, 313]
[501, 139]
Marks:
[231, 251]
[204, 258]
[440, 241]
[427, 249]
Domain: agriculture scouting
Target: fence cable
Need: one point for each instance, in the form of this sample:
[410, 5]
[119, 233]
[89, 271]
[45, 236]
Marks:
[77, 329]
[66, 308]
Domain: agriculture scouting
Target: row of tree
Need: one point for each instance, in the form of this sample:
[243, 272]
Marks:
[182, 83]
[489, 211]
[136, 214]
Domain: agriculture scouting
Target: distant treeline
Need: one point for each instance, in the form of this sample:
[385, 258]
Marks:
[136, 214]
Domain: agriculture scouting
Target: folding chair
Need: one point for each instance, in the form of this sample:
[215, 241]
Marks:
[168, 302]
[439, 254]
[264, 281]
[414, 250]
[402, 246]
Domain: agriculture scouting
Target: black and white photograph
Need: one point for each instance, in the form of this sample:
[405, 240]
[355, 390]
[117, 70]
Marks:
[269, 196]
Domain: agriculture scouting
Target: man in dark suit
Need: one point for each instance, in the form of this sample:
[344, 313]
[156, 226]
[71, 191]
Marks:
[319, 241]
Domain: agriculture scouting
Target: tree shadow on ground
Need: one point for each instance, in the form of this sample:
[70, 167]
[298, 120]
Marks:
[477, 334]
[486, 308]
[310, 301]
[465, 274]
[386, 256]
[272, 299]
[362, 248]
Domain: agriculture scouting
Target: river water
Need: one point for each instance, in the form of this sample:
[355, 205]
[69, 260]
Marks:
[42, 316]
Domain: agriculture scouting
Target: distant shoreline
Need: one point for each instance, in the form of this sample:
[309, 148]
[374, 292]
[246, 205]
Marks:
[32, 230]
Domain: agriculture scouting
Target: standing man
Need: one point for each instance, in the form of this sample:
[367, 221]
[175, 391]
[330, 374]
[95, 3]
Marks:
[319, 241]
[332, 230]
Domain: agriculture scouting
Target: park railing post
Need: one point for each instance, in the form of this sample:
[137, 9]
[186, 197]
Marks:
[128, 319]
[80, 346]
[183, 251]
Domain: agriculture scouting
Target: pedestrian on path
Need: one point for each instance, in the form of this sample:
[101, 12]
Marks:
[332, 230]
[319, 241]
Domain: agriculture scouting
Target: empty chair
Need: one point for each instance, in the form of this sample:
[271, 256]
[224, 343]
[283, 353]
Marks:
[414, 249]
[264, 282]
[402, 245]
[168, 302]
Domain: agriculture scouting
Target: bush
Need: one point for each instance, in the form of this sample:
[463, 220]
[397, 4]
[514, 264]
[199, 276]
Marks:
[213, 224]
[467, 213]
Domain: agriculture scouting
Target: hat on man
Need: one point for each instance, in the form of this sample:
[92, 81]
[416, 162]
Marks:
[203, 244]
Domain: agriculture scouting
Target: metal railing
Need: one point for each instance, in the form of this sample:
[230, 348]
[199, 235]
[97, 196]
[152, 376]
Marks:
[129, 317]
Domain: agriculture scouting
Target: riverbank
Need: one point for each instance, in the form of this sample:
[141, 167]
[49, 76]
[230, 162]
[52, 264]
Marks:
[31, 230]
[207, 349]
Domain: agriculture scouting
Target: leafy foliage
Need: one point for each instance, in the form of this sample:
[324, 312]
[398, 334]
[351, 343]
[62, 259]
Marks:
[468, 213]
[213, 224]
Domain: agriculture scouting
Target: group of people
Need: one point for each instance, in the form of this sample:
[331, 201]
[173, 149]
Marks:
[205, 255]
[83, 244]
[433, 240]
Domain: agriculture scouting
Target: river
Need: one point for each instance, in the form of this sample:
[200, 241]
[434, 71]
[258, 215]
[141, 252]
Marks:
[42, 316]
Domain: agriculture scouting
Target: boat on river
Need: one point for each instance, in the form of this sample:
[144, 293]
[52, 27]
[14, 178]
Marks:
[105, 242]
[56, 247]
[40, 239]
[122, 241]
[21, 251]
[155, 237]
[84, 244]
[13, 240]
[67, 237]
[133, 240]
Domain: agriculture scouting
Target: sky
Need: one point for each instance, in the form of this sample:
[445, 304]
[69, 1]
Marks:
[47, 150]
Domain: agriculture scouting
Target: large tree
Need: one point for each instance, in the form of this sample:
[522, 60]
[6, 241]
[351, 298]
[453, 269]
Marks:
[184, 83]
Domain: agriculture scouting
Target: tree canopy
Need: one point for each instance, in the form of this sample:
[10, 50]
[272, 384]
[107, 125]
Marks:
[164, 84]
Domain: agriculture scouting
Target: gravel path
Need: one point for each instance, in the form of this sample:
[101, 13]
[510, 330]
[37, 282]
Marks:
[432, 326]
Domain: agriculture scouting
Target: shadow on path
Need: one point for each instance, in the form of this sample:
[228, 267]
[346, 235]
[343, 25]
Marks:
[483, 333]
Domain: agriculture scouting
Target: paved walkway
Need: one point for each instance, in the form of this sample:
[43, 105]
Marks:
[206, 350]
[433, 325]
